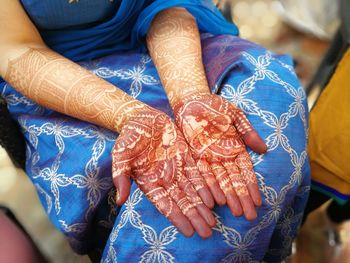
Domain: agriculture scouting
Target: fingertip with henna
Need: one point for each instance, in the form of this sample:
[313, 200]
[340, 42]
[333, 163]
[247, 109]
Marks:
[200, 226]
[255, 194]
[248, 207]
[234, 205]
[206, 197]
[187, 231]
[207, 215]
[220, 199]
[217, 193]
[251, 216]
[183, 225]
[205, 233]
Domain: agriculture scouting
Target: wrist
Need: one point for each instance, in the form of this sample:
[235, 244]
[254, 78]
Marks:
[130, 110]
[194, 96]
[179, 91]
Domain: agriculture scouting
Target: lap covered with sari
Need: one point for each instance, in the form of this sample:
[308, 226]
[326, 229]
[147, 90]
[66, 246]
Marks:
[69, 161]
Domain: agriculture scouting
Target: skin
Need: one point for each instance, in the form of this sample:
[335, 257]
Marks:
[15, 246]
[57, 83]
[214, 129]
[155, 153]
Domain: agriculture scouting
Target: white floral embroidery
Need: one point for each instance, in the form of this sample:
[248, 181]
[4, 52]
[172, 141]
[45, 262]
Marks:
[136, 75]
[156, 245]
[157, 252]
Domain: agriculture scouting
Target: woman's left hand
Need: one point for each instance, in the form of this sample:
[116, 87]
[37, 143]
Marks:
[217, 133]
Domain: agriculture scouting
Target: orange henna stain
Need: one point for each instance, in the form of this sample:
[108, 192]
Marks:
[207, 122]
[154, 154]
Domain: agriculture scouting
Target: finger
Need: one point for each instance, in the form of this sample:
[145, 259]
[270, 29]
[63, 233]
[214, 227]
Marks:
[121, 178]
[189, 210]
[198, 182]
[168, 207]
[254, 192]
[254, 141]
[207, 197]
[245, 166]
[122, 184]
[241, 191]
[234, 204]
[205, 170]
[247, 204]
[226, 185]
[250, 137]
[186, 186]
[206, 213]
[199, 224]
[121, 172]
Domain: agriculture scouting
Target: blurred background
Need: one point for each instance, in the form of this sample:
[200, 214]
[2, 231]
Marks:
[301, 28]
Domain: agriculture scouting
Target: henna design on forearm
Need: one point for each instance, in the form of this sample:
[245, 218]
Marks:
[174, 45]
[57, 83]
[215, 130]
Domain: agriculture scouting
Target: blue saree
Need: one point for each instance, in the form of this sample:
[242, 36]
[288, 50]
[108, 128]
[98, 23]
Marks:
[69, 160]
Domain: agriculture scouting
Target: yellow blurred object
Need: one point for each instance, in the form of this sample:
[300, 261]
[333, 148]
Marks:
[329, 145]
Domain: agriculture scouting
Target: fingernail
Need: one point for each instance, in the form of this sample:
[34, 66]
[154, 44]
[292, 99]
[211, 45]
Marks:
[206, 234]
[251, 216]
[258, 202]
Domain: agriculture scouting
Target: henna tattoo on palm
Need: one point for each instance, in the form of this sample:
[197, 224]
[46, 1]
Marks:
[217, 132]
[152, 151]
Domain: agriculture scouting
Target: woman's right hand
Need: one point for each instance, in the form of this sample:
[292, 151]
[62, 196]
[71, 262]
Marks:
[152, 151]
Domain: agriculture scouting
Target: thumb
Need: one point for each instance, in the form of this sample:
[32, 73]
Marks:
[254, 142]
[121, 171]
[122, 184]
[250, 137]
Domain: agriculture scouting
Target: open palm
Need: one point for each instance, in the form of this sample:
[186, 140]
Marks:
[152, 151]
[217, 133]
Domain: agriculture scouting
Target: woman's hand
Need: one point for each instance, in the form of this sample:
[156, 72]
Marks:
[212, 126]
[217, 133]
[152, 151]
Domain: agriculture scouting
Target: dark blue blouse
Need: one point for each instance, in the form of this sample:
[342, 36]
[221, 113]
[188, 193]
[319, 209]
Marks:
[87, 29]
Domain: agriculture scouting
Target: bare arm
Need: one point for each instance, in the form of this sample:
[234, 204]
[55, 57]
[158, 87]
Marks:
[54, 81]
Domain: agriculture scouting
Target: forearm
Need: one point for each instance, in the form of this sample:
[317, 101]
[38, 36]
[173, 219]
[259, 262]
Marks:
[59, 84]
[174, 44]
